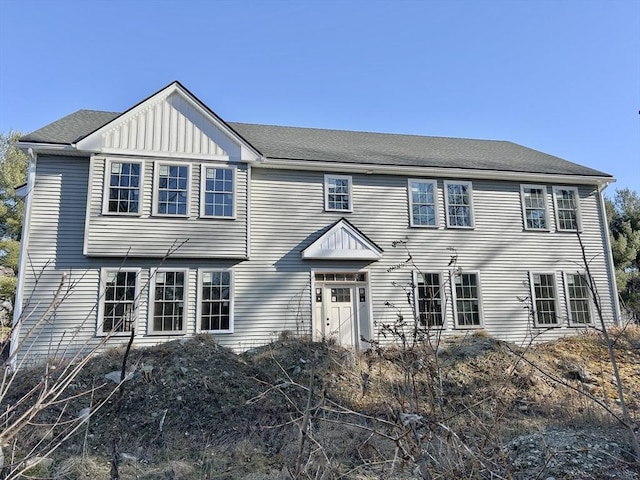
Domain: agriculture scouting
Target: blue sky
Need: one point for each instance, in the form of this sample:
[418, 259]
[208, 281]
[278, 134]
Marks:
[560, 76]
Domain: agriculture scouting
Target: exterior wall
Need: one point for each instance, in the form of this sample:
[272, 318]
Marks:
[288, 214]
[273, 289]
[154, 236]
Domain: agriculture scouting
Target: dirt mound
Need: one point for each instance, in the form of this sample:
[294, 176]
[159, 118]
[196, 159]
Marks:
[470, 407]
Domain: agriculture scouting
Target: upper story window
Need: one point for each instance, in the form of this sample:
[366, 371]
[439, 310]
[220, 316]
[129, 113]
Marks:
[337, 193]
[466, 305]
[578, 296]
[545, 300]
[118, 310]
[423, 203]
[124, 183]
[171, 190]
[458, 202]
[168, 301]
[429, 296]
[218, 186]
[534, 207]
[566, 205]
[215, 309]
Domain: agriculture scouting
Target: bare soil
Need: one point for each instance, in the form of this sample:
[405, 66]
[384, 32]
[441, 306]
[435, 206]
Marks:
[479, 408]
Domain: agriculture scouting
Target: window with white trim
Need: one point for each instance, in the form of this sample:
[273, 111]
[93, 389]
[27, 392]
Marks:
[466, 291]
[215, 311]
[218, 186]
[545, 299]
[423, 196]
[337, 193]
[171, 192]
[118, 310]
[565, 200]
[578, 297]
[168, 301]
[534, 207]
[123, 184]
[458, 202]
[429, 297]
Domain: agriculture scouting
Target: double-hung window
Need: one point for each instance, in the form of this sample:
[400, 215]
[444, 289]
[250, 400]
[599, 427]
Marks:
[534, 207]
[123, 187]
[458, 202]
[168, 301]
[565, 200]
[429, 297]
[218, 186]
[118, 310]
[337, 193]
[172, 184]
[545, 299]
[215, 309]
[467, 308]
[423, 199]
[578, 297]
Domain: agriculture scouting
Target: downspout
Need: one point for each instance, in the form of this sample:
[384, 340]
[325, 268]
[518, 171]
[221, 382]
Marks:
[617, 317]
[23, 258]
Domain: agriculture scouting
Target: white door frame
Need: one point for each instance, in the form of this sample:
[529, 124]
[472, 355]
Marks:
[362, 323]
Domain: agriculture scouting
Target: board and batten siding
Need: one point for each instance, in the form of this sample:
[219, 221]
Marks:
[288, 214]
[154, 236]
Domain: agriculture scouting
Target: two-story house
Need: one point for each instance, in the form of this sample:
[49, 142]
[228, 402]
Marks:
[170, 221]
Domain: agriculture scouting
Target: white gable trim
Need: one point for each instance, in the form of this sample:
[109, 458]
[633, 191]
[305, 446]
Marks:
[342, 242]
[170, 123]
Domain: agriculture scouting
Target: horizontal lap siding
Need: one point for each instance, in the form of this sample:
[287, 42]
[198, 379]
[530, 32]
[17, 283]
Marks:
[149, 236]
[288, 215]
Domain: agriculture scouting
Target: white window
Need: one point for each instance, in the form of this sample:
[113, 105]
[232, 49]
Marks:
[167, 301]
[171, 192]
[218, 187]
[123, 187]
[337, 193]
[565, 200]
[534, 207]
[458, 202]
[544, 299]
[429, 296]
[466, 305]
[578, 295]
[423, 199]
[119, 301]
[215, 301]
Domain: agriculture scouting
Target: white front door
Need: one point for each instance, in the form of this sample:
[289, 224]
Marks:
[340, 314]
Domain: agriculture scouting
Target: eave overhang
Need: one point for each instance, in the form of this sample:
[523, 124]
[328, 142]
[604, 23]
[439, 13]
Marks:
[423, 171]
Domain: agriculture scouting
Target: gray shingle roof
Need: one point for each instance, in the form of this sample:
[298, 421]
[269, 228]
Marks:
[312, 144]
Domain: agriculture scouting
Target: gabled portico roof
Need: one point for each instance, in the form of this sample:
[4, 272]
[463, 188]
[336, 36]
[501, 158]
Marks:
[343, 241]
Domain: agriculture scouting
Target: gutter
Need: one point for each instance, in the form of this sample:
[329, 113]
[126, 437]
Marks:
[23, 257]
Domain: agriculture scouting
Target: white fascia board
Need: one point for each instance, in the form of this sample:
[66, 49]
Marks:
[426, 171]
